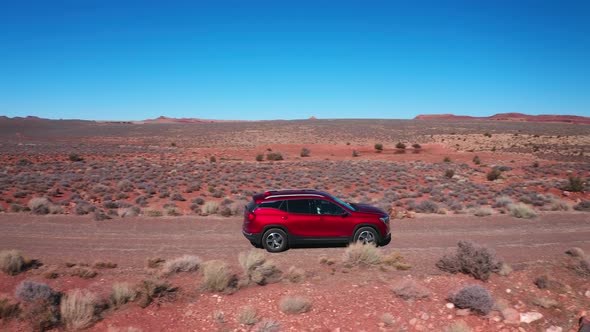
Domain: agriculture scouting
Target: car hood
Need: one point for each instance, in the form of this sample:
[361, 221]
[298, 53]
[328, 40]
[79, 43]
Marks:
[366, 208]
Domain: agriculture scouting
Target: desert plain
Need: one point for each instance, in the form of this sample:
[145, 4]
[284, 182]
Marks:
[136, 226]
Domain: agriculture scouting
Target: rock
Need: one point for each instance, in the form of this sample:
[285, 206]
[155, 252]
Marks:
[529, 317]
[508, 290]
[511, 316]
[554, 328]
[587, 294]
[451, 306]
[463, 312]
[424, 316]
[413, 321]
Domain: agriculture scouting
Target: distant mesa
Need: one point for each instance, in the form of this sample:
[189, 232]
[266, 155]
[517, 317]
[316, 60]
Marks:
[164, 119]
[516, 117]
[313, 118]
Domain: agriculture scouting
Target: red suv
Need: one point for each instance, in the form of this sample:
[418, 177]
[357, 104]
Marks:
[277, 220]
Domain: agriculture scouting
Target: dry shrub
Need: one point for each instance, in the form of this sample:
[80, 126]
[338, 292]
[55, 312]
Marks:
[326, 261]
[150, 289]
[294, 305]
[121, 293]
[257, 269]
[396, 260]
[83, 273]
[411, 290]
[9, 310]
[39, 205]
[575, 252]
[30, 291]
[474, 297]
[268, 325]
[362, 254]
[210, 207]
[78, 309]
[483, 212]
[521, 210]
[42, 315]
[477, 261]
[12, 262]
[155, 262]
[105, 265]
[186, 263]
[295, 275]
[152, 213]
[248, 315]
[218, 277]
[582, 267]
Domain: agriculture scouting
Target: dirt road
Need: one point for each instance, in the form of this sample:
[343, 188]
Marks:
[129, 242]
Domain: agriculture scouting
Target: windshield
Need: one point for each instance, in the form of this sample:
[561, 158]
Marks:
[341, 202]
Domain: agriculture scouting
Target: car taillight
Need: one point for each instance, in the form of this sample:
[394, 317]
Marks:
[251, 216]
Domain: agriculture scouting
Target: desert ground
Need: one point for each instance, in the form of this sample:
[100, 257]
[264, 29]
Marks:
[144, 219]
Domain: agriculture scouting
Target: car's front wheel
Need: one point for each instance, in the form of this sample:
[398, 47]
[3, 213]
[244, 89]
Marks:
[275, 240]
[366, 235]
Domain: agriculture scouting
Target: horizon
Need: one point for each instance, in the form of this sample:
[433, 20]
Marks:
[263, 60]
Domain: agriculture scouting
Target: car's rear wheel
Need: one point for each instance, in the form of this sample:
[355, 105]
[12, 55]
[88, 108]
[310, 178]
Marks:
[275, 240]
[366, 235]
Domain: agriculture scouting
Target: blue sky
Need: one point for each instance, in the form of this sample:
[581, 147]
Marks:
[249, 59]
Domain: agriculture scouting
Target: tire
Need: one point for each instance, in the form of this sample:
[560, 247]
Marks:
[275, 240]
[366, 235]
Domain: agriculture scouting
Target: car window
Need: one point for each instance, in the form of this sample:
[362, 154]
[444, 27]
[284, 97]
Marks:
[299, 206]
[279, 205]
[327, 208]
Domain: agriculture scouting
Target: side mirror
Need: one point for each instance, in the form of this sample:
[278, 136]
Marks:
[345, 214]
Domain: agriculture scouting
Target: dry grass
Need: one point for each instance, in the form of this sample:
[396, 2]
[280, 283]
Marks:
[12, 262]
[218, 277]
[210, 207]
[268, 325]
[248, 315]
[396, 260]
[258, 269]
[155, 262]
[295, 275]
[474, 297]
[105, 265]
[459, 326]
[361, 254]
[121, 293]
[521, 210]
[83, 273]
[78, 309]
[410, 290]
[150, 289]
[9, 310]
[326, 261]
[294, 305]
[186, 263]
[483, 212]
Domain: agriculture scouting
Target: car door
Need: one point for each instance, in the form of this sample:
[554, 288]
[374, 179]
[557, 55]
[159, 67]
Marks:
[301, 219]
[333, 221]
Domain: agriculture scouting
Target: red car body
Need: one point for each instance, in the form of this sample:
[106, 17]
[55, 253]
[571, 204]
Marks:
[277, 220]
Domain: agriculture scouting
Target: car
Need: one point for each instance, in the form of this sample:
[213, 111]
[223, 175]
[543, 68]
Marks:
[279, 219]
